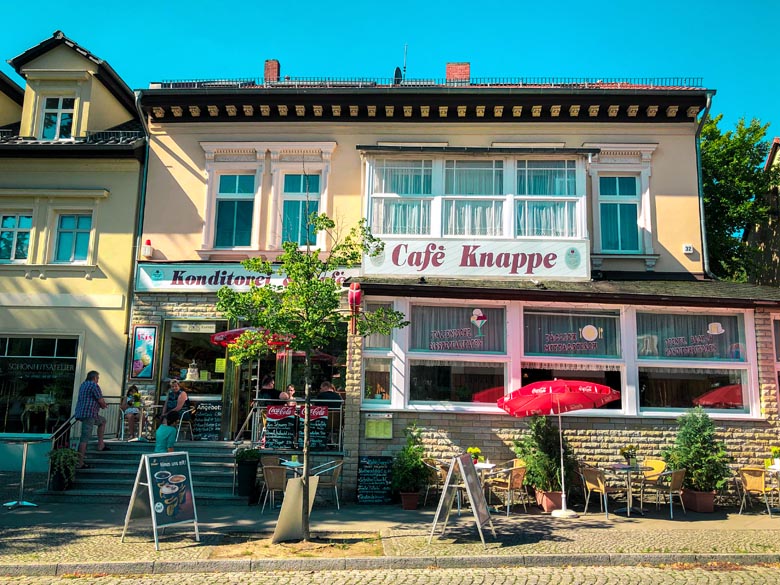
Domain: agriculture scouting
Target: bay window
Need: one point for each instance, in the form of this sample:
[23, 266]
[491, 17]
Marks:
[470, 205]
[547, 199]
[401, 197]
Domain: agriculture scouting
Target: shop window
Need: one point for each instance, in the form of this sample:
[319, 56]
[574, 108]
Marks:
[456, 381]
[572, 334]
[37, 379]
[187, 347]
[588, 373]
[376, 380]
[684, 388]
[466, 330]
[776, 325]
[690, 337]
[15, 231]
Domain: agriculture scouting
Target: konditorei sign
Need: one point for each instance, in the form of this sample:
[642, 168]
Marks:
[493, 259]
[192, 277]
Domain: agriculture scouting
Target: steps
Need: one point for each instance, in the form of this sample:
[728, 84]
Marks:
[111, 475]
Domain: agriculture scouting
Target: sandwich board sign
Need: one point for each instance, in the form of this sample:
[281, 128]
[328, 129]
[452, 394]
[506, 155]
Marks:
[463, 466]
[167, 479]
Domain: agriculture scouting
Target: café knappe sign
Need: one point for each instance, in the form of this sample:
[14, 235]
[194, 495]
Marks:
[508, 258]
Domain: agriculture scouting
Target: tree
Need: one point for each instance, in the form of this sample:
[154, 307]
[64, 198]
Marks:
[734, 185]
[307, 309]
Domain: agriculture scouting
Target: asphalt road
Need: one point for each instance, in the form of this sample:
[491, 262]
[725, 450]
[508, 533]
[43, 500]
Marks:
[537, 576]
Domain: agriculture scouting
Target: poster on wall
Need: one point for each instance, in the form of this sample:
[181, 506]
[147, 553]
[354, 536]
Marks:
[144, 350]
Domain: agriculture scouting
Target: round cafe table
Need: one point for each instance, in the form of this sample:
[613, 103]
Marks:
[21, 502]
[629, 470]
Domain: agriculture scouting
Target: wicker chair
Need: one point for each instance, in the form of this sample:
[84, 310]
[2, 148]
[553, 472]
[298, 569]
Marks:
[509, 481]
[593, 481]
[275, 478]
[329, 477]
[668, 482]
[754, 482]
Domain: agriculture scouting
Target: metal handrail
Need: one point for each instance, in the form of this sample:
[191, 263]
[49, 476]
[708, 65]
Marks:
[257, 430]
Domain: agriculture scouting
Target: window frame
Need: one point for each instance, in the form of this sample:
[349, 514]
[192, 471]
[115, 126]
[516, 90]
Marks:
[619, 200]
[32, 234]
[59, 112]
[77, 214]
[301, 197]
[220, 197]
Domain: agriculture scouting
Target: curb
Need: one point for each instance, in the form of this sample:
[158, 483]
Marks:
[377, 563]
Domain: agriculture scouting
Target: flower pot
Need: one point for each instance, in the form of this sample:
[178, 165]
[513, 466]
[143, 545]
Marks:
[776, 462]
[549, 501]
[246, 475]
[410, 500]
[698, 501]
[59, 482]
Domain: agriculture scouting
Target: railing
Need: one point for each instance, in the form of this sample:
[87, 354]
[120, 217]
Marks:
[113, 135]
[360, 82]
[6, 132]
[60, 439]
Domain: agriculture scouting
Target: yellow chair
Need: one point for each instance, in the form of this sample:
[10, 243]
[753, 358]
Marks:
[754, 482]
[593, 481]
[650, 476]
[509, 481]
[670, 482]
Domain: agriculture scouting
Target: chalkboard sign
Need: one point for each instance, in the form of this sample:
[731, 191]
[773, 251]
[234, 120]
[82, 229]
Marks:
[318, 427]
[280, 427]
[207, 423]
[373, 481]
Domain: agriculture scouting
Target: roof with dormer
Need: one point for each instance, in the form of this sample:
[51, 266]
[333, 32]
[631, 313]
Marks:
[12, 89]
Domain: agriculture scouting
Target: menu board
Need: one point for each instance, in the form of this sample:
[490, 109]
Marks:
[318, 427]
[280, 427]
[207, 423]
[373, 481]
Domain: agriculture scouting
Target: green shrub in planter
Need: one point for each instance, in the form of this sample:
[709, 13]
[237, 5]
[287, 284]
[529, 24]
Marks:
[247, 454]
[63, 463]
[409, 472]
[540, 448]
[698, 451]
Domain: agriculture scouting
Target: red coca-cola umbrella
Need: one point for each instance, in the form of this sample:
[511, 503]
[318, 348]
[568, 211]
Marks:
[554, 397]
[225, 338]
[723, 397]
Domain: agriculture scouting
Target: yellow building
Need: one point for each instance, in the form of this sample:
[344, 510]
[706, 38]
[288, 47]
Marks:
[534, 229]
[71, 155]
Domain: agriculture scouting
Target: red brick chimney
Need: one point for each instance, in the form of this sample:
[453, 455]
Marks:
[271, 71]
[458, 72]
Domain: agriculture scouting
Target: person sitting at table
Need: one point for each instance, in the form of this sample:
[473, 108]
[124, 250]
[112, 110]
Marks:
[327, 396]
[268, 394]
[131, 405]
[177, 401]
[290, 391]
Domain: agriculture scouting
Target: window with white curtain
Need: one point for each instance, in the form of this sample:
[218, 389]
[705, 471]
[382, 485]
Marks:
[619, 205]
[547, 201]
[470, 207]
[571, 334]
[400, 200]
[469, 329]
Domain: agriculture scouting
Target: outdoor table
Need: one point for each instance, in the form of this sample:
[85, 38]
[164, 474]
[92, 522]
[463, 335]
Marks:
[146, 422]
[775, 470]
[294, 465]
[21, 502]
[482, 467]
[629, 470]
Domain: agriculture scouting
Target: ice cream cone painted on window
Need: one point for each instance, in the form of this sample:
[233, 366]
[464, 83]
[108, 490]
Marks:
[479, 320]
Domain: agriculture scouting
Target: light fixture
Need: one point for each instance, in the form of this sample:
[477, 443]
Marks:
[146, 250]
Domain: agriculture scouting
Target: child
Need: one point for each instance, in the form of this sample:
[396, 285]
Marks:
[166, 433]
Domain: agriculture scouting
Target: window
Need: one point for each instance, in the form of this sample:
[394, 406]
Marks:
[400, 201]
[684, 388]
[57, 123]
[468, 208]
[235, 209]
[300, 198]
[15, 236]
[572, 334]
[547, 201]
[619, 206]
[378, 340]
[458, 329]
[73, 235]
[376, 380]
[456, 381]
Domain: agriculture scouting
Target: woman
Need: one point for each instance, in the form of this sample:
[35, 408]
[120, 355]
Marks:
[177, 401]
[131, 406]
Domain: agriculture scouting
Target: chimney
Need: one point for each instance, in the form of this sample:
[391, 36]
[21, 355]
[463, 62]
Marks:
[271, 71]
[458, 72]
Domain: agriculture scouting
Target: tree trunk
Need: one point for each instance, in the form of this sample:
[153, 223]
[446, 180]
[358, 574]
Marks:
[306, 413]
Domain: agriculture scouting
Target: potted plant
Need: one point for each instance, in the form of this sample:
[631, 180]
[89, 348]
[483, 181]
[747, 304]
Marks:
[409, 472]
[62, 463]
[540, 448]
[703, 457]
[628, 453]
[775, 455]
[247, 460]
[476, 454]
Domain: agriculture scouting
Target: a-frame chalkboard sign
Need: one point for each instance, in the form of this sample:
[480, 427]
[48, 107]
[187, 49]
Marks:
[463, 475]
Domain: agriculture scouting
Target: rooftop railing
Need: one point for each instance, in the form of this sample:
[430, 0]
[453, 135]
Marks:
[113, 136]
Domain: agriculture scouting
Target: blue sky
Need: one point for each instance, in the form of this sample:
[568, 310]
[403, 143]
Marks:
[731, 45]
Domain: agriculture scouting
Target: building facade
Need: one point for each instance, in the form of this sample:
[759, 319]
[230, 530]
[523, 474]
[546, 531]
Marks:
[533, 230]
[71, 156]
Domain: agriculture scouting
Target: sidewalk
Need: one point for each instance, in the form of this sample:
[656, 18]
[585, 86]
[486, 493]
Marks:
[60, 539]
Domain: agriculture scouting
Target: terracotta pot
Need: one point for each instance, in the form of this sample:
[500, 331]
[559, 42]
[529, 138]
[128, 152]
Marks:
[410, 500]
[698, 501]
[549, 501]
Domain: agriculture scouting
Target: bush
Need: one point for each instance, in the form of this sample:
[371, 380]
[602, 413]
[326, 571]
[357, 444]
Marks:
[698, 452]
[64, 462]
[247, 454]
[409, 472]
[541, 451]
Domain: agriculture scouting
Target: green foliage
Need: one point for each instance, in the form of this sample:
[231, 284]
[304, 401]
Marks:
[409, 472]
[64, 461]
[541, 451]
[309, 307]
[247, 454]
[735, 185]
[696, 450]
[775, 452]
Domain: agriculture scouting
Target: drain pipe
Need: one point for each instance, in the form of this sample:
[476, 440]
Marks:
[704, 250]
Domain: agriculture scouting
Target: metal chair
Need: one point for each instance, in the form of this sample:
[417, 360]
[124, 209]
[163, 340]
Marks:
[186, 419]
[329, 477]
[510, 481]
[593, 481]
[670, 482]
[754, 482]
[275, 478]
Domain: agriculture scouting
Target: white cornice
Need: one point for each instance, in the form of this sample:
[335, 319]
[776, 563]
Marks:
[56, 193]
